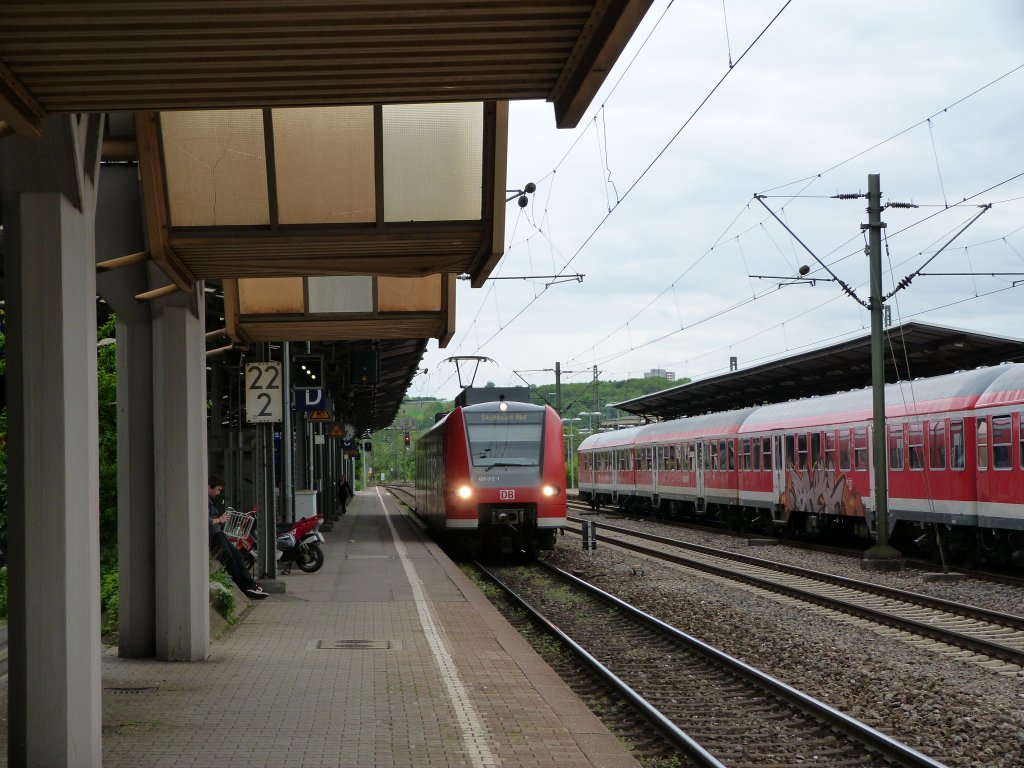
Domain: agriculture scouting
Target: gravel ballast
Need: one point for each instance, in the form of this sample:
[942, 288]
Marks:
[960, 713]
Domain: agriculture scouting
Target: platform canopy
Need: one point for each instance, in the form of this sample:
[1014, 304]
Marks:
[332, 164]
[404, 190]
[912, 350]
[154, 55]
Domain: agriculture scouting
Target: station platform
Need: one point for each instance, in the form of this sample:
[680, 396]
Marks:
[388, 656]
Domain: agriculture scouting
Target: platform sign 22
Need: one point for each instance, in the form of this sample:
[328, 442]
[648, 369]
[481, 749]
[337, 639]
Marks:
[263, 393]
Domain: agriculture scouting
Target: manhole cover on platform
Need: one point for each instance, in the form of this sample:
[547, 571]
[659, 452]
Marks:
[355, 645]
[130, 690]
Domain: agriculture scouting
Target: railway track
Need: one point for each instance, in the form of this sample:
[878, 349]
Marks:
[717, 711]
[852, 551]
[951, 626]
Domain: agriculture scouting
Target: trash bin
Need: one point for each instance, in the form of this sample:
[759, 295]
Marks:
[305, 504]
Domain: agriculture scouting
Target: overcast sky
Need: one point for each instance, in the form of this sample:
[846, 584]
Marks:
[657, 210]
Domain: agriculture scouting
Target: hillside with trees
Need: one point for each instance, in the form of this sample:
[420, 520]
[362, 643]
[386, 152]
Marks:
[586, 407]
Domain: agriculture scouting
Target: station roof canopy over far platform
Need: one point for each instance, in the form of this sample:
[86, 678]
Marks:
[913, 350]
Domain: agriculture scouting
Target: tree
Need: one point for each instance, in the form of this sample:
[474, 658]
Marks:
[106, 368]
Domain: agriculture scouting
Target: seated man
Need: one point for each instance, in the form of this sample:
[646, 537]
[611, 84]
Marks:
[222, 548]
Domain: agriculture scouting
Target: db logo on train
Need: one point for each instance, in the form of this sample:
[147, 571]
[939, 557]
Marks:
[507, 494]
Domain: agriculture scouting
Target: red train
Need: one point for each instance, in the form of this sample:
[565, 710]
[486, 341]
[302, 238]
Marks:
[490, 478]
[955, 457]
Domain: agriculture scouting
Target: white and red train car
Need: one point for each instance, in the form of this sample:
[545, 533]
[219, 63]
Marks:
[490, 478]
[954, 453]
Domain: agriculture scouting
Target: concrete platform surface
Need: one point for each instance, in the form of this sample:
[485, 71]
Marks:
[388, 656]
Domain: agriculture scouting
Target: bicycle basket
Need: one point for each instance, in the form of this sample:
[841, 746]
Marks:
[239, 524]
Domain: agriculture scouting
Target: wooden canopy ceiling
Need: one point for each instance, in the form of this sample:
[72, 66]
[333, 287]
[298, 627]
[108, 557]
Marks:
[58, 56]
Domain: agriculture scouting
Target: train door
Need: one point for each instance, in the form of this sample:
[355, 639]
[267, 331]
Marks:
[658, 452]
[778, 468]
[699, 472]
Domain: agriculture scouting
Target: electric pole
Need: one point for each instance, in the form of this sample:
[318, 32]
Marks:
[558, 388]
[880, 557]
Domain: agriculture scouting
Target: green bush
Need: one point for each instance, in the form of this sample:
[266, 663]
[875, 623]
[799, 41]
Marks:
[109, 599]
[222, 595]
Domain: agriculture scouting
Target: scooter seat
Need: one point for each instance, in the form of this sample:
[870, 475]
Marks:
[282, 527]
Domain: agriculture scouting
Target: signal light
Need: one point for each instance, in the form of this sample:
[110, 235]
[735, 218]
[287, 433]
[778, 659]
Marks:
[406, 439]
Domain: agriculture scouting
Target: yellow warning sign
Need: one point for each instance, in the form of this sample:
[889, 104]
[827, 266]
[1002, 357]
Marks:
[320, 416]
[336, 431]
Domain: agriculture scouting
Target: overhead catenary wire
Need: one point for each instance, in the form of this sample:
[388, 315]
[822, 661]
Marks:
[740, 304]
[545, 221]
[653, 162]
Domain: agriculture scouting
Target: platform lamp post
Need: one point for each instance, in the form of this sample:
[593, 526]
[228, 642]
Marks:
[590, 419]
[568, 426]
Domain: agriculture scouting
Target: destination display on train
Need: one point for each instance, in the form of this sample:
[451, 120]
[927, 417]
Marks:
[504, 417]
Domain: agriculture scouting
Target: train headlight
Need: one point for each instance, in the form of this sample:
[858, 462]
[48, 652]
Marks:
[464, 491]
[550, 490]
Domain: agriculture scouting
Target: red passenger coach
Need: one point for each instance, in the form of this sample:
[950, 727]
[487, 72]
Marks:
[954, 456]
[490, 478]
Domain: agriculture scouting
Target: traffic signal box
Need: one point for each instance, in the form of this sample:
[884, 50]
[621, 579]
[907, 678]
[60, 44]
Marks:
[307, 371]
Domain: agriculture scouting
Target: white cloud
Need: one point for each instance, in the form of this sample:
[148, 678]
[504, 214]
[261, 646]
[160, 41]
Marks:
[825, 83]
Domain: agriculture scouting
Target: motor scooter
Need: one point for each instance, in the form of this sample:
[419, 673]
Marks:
[299, 543]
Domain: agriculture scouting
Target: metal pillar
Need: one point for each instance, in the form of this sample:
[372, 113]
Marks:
[287, 484]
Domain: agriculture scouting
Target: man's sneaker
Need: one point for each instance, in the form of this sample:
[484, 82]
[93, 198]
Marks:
[257, 593]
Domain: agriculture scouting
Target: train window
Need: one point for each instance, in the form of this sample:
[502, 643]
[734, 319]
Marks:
[915, 446]
[801, 451]
[745, 455]
[756, 462]
[691, 456]
[844, 450]
[830, 451]
[1020, 434]
[1002, 442]
[713, 455]
[790, 451]
[766, 452]
[816, 457]
[937, 445]
[982, 444]
[860, 449]
[493, 441]
[956, 444]
[896, 446]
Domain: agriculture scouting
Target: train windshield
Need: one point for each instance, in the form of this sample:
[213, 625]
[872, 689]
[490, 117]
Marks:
[510, 439]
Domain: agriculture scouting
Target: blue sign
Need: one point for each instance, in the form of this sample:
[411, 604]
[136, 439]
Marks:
[309, 400]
